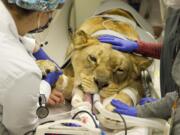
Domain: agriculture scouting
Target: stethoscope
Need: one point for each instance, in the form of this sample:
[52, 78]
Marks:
[42, 111]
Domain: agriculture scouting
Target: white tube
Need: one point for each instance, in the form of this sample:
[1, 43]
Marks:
[77, 97]
[132, 121]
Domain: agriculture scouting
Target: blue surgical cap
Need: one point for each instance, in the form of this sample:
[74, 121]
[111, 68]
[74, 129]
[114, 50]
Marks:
[38, 5]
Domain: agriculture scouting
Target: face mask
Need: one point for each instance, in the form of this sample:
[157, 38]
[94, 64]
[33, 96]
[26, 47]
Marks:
[41, 28]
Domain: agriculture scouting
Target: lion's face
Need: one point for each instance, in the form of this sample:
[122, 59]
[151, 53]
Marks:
[99, 68]
[92, 71]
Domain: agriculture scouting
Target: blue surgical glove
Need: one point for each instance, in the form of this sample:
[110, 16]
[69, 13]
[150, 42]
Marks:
[147, 100]
[41, 55]
[119, 43]
[52, 77]
[122, 108]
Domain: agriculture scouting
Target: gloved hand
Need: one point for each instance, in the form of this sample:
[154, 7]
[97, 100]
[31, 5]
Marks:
[41, 55]
[147, 100]
[119, 43]
[122, 108]
[52, 77]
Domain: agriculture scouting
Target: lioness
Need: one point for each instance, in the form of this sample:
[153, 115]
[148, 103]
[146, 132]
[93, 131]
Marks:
[98, 68]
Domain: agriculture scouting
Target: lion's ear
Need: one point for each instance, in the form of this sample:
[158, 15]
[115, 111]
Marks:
[144, 62]
[140, 63]
[81, 40]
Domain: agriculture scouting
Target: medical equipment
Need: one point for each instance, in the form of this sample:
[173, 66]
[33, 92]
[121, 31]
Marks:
[67, 127]
[69, 123]
[42, 111]
[131, 121]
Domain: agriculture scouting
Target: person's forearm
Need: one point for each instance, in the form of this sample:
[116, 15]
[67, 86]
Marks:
[149, 49]
[158, 109]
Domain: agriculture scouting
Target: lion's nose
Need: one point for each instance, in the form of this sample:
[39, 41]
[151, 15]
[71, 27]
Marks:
[100, 83]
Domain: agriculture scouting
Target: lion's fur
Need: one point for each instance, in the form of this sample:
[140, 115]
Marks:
[93, 60]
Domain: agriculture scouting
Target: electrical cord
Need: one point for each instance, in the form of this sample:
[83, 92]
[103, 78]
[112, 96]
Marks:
[83, 111]
[32, 132]
[125, 125]
[70, 30]
[47, 122]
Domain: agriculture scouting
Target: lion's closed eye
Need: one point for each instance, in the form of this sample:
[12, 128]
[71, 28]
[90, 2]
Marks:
[119, 71]
[119, 75]
[92, 59]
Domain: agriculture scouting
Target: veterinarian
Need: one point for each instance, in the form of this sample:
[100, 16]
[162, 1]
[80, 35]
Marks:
[21, 98]
[169, 54]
